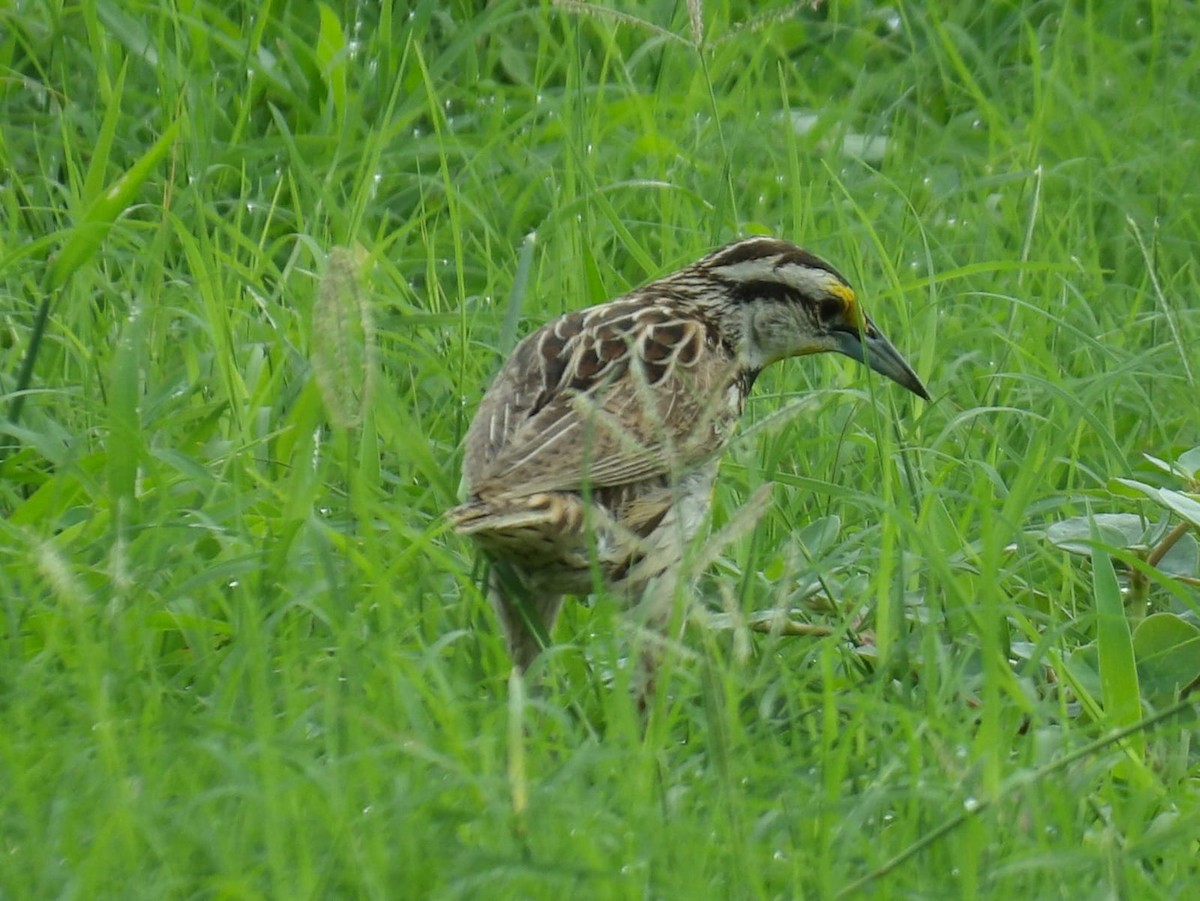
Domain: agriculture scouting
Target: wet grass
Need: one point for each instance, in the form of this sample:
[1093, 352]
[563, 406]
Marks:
[243, 656]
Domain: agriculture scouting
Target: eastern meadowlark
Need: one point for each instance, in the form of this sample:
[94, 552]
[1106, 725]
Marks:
[592, 458]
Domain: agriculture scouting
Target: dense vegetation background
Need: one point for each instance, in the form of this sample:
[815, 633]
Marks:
[257, 264]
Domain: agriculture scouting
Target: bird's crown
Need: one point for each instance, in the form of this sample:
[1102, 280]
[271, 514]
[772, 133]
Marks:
[767, 269]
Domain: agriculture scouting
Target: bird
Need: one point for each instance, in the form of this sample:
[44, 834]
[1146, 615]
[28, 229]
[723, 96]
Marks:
[591, 460]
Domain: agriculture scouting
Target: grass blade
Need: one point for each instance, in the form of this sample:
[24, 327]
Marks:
[1118, 668]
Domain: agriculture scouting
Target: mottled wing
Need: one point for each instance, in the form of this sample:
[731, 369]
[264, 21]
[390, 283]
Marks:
[618, 393]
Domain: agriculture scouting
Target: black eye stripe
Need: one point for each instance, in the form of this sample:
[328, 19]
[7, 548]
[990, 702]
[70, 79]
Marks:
[831, 308]
[828, 310]
[744, 292]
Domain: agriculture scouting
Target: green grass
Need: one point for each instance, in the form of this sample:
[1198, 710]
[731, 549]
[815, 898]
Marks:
[243, 657]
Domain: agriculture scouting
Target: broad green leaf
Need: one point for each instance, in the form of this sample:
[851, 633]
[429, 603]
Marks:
[1134, 488]
[1179, 503]
[819, 535]
[1186, 468]
[1122, 487]
[1183, 559]
[1167, 648]
[1185, 505]
[515, 63]
[1168, 468]
[1189, 462]
[1078, 534]
[1082, 672]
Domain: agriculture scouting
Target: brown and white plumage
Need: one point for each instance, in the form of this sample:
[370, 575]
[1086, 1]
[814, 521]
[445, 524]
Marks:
[592, 457]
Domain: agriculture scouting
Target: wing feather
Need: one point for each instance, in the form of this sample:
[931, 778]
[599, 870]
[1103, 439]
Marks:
[615, 394]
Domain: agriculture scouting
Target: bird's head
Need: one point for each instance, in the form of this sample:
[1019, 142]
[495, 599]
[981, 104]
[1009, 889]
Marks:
[782, 301]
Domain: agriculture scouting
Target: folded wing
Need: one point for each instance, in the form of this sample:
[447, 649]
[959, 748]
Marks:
[615, 394]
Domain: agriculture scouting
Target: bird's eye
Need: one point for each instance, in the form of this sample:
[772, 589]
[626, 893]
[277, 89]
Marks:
[830, 310]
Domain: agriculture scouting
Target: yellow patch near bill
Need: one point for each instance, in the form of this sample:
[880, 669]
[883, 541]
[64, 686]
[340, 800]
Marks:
[853, 313]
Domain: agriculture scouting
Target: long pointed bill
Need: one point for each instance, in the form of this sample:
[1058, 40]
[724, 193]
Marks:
[878, 353]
